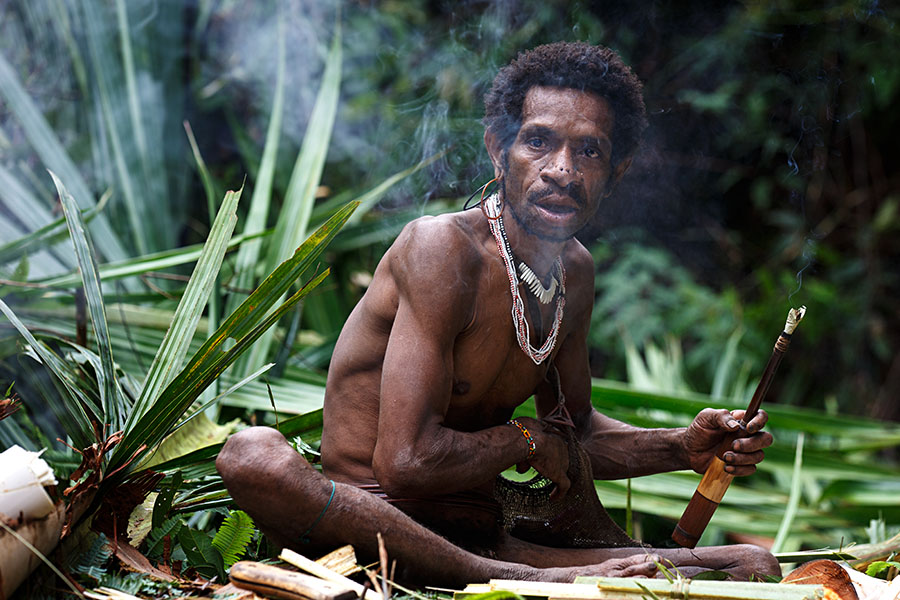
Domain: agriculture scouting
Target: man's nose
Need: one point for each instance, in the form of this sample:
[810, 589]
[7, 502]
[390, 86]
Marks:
[560, 168]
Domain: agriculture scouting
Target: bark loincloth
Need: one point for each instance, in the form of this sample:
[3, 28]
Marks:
[578, 520]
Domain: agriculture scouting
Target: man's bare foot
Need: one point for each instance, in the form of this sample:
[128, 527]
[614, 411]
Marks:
[636, 565]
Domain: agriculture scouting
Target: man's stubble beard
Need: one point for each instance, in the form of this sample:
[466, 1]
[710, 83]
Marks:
[531, 199]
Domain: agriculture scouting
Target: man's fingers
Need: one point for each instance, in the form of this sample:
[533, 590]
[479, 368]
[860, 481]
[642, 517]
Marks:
[722, 418]
[561, 489]
[753, 443]
[757, 422]
[740, 471]
[742, 464]
[744, 458]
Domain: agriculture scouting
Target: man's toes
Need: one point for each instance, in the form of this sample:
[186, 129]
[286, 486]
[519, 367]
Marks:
[644, 569]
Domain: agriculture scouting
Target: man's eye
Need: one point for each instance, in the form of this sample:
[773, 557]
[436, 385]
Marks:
[591, 152]
[535, 143]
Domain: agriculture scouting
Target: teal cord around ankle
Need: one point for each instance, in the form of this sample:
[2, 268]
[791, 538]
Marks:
[305, 537]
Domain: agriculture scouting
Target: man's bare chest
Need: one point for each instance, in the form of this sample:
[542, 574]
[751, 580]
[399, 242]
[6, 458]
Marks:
[492, 375]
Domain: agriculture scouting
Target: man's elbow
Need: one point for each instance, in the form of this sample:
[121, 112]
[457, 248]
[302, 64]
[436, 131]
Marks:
[399, 476]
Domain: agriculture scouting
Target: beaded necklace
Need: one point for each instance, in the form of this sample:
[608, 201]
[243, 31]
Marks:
[538, 355]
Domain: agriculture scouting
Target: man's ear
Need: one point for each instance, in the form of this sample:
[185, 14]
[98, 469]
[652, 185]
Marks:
[495, 151]
[616, 176]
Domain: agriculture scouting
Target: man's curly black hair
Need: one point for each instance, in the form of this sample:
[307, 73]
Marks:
[576, 65]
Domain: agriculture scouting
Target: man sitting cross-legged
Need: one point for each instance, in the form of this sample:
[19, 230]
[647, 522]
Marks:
[468, 316]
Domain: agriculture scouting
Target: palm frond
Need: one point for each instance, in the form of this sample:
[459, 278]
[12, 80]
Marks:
[114, 406]
[244, 326]
[248, 255]
[174, 347]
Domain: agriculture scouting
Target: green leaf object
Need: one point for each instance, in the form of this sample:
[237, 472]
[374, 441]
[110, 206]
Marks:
[306, 175]
[245, 326]
[495, 595]
[881, 565]
[156, 539]
[114, 406]
[175, 345]
[200, 552]
[75, 410]
[93, 561]
[233, 537]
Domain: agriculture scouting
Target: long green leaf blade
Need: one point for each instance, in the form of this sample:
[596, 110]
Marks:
[790, 512]
[106, 72]
[210, 188]
[174, 347]
[80, 432]
[84, 252]
[368, 200]
[195, 378]
[156, 261]
[301, 193]
[43, 237]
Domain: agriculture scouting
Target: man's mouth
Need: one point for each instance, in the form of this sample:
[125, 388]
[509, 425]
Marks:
[557, 201]
[557, 207]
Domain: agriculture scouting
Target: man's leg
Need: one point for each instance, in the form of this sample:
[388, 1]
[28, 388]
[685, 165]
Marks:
[285, 495]
[741, 561]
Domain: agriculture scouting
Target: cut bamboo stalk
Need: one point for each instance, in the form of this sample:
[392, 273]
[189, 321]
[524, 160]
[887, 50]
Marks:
[311, 566]
[602, 588]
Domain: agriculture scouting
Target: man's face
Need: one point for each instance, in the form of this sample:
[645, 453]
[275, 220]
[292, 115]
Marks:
[558, 169]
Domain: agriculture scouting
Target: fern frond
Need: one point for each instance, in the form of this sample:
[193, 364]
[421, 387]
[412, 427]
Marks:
[233, 536]
[92, 562]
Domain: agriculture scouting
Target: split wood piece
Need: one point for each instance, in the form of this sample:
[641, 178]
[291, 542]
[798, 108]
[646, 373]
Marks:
[341, 561]
[276, 582]
[311, 566]
[827, 573]
[603, 588]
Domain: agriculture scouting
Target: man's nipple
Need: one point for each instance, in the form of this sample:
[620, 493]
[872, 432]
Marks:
[460, 388]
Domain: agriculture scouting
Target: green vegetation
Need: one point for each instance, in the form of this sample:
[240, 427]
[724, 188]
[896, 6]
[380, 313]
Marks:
[767, 180]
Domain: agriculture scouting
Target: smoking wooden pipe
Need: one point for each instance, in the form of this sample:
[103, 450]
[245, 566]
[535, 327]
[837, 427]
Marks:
[716, 480]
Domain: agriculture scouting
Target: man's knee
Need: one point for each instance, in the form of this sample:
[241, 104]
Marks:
[246, 451]
[760, 560]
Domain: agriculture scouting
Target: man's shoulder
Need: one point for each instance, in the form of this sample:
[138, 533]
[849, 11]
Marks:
[442, 246]
[449, 237]
[438, 229]
[578, 260]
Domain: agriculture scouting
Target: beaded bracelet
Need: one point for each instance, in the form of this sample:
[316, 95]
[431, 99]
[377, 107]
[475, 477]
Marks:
[528, 438]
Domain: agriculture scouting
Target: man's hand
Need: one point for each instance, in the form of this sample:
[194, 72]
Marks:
[711, 426]
[551, 458]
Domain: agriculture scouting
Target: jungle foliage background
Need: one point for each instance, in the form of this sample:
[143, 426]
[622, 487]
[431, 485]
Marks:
[768, 178]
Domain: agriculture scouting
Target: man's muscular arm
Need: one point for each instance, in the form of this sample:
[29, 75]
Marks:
[435, 271]
[619, 450]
